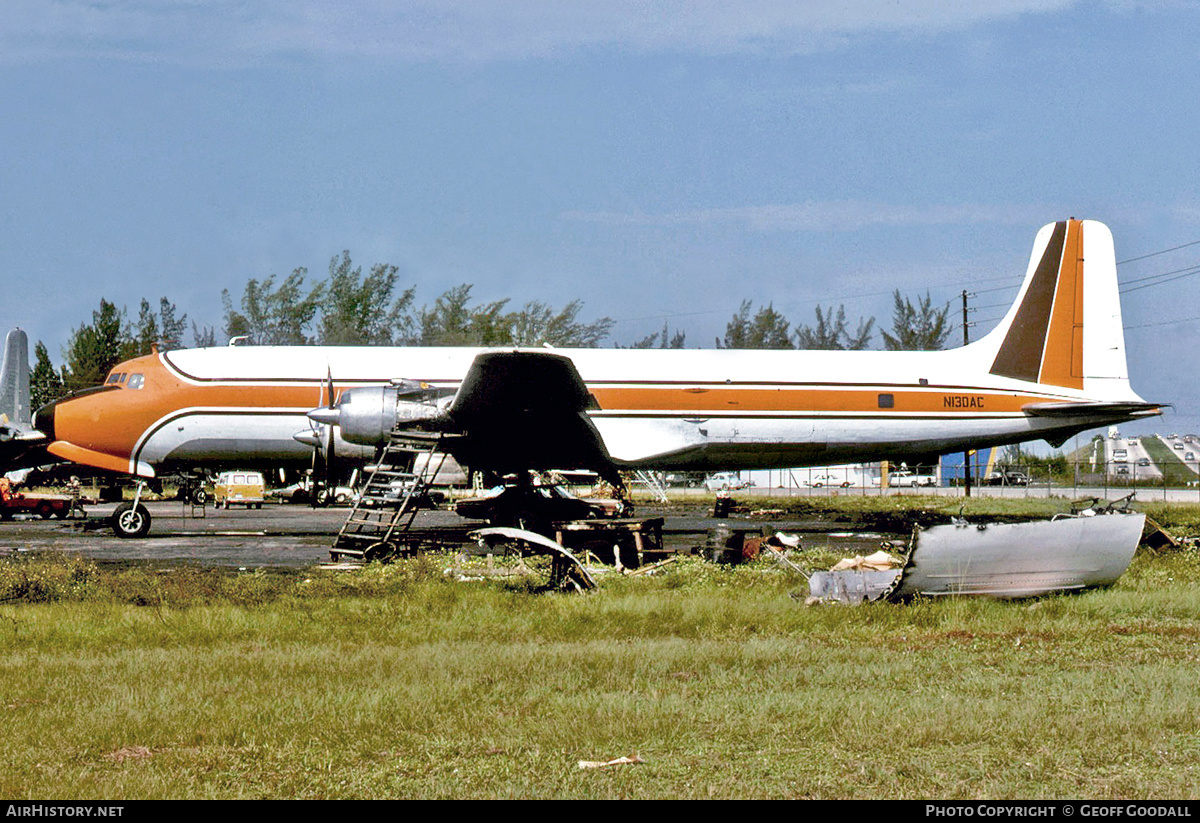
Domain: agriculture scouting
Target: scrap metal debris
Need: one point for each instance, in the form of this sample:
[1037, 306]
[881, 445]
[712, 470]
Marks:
[879, 561]
[1086, 549]
[1156, 537]
[602, 764]
[566, 572]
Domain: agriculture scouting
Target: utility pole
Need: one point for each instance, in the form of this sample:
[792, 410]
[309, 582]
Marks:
[966, 454]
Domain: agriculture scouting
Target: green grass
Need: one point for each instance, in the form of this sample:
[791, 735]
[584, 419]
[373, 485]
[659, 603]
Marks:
[402, 681]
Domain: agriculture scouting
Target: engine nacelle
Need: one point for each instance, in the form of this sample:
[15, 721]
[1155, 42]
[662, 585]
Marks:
[367, 415]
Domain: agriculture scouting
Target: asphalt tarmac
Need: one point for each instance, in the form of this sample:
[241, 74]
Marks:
[294, 536]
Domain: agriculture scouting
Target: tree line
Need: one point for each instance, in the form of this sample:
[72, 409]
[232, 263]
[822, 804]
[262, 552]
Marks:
[353, 308]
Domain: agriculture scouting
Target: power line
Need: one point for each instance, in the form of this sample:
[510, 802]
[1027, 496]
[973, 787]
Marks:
[1163, 323]
[1156, 253]
[1178, 274]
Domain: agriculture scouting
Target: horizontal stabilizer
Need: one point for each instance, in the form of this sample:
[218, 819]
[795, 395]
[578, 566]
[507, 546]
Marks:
[1094, 409]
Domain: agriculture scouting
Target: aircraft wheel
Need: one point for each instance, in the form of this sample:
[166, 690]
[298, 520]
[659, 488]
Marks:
[381, 551]
[44, 511]
[200, 497]
[131, 522]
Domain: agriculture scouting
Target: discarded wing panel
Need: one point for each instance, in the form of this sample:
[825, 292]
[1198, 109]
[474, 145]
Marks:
[1020, 559]
[1013, 560]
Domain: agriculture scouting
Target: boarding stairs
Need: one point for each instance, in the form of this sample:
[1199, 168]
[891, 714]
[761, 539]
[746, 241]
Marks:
[380, 521]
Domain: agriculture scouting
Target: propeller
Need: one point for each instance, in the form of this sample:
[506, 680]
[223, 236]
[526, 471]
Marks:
[329, 483]
[320, 437]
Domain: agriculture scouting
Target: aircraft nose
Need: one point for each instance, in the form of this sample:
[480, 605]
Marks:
[43, 420]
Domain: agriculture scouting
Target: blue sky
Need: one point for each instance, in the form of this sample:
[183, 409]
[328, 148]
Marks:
[659, 161]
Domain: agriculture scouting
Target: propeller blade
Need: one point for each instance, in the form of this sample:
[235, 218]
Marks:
[314, 474]
[330, 485]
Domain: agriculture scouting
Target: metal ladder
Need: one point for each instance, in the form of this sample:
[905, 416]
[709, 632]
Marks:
[382, 515]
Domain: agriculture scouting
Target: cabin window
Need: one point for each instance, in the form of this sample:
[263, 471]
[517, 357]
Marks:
[887, 401]
[136, 381]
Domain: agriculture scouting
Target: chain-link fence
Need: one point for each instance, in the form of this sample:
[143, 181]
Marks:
[1174, 481]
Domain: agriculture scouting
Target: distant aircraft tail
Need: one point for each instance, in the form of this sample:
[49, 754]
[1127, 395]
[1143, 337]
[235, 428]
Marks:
[14, 382]
[1065, 328]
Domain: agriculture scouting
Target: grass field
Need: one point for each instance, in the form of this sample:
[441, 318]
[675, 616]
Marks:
[402, 681]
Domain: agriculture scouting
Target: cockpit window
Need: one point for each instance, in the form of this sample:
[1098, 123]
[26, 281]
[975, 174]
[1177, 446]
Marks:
[116, 377]
[136, 381]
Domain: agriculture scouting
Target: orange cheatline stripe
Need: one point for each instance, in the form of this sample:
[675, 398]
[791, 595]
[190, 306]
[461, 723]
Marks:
[1062, 359]
[749, 401]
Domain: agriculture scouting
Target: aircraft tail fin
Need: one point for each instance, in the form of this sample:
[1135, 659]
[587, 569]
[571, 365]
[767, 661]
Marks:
[1064, 329]
[14, 381]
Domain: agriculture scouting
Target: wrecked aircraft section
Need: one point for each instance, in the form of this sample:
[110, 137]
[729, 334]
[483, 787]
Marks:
[565, 572]
[1071, 552]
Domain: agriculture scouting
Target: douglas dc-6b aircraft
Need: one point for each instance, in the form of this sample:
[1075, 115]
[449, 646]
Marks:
[1054, 366]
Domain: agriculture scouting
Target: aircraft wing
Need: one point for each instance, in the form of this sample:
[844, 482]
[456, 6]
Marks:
[518, 410]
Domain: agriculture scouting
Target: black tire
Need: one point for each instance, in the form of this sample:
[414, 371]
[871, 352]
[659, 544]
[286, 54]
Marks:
[200, 497]
[383, 551]
[130, 522]
[44, 511]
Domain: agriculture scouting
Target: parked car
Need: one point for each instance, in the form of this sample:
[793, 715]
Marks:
[726, 481]
[508, 505]
[301, 492]
[820, 480]
[905, 477]
[1007, 477]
